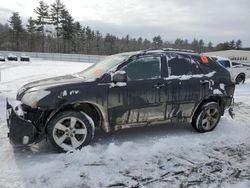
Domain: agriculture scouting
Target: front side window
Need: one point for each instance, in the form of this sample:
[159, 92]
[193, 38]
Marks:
[183, 66]
[144, 68]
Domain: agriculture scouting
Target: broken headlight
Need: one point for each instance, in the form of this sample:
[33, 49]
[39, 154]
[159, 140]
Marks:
[33, 97]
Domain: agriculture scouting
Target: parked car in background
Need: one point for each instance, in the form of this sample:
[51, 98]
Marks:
[12, 57]
[24, 57]
[122, 91]
[2, 58]
[239, 72]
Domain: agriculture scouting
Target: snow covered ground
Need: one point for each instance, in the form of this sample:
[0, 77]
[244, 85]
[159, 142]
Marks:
[159, 156]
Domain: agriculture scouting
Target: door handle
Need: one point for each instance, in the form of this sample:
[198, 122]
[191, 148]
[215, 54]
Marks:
[204, 81]
[158, 86]
[169, 82]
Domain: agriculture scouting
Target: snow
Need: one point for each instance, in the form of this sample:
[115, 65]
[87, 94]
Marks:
[217, 91]
[118, 84]
[188, 77]
[159, 156]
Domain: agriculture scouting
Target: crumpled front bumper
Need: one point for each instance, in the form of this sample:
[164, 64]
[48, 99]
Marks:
[21, 131]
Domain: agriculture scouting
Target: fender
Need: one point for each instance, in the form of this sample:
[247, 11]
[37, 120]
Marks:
[101, 110]
[210, 98]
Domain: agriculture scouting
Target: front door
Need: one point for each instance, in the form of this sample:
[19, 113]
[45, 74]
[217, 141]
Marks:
[142, 97]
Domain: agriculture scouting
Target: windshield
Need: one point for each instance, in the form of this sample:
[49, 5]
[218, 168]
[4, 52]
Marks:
[98, 69]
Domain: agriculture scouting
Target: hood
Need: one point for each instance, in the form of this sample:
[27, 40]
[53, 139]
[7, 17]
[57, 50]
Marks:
[47, 83]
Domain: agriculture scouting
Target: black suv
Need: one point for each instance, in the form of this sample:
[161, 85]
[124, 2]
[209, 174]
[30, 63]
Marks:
[122, 91]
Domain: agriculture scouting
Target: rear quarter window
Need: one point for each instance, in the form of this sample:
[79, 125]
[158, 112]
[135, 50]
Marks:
[206, 68]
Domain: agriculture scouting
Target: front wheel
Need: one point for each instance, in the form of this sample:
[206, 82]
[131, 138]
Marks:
[207, 117]
[70, 130]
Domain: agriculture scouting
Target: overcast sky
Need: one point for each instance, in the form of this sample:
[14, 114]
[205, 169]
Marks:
[211, 20]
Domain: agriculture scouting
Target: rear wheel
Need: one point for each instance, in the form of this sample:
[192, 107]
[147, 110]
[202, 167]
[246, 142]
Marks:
[207, 117]
[70, 130]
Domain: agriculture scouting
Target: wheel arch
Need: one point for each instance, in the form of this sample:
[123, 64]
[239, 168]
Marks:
[95, 111]
[242, 74]
[218, 99]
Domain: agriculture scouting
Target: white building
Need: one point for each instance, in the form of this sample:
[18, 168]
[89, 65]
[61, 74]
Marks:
[242, 56]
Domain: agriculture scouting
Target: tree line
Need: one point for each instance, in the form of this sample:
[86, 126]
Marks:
[54, 30]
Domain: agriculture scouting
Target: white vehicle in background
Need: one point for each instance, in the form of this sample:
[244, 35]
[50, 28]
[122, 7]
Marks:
[239, 72]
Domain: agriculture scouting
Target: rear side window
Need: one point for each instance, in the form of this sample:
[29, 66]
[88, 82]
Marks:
[204, 67]
[144, 68]
[183, 66]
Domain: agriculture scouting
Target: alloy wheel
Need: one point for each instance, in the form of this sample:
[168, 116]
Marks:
[69, 133]
[210, 118]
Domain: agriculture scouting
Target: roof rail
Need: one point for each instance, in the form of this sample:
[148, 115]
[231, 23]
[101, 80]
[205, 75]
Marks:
[152, 49]
[178, 50]
[167, 50]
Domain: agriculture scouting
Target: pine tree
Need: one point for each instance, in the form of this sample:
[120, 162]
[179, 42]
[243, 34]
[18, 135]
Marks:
[195, 45]
[31, 29]
[109, 44]
[88, 39]
[67, 30]
[238, 44]
[77, 37]
[139, 43]
[127, 43]
[210, 45]
[178, 43]
[146, 44]
[201, 46]
[157, 42]
[42, 20]
[5, 37]
[232, 44]
[56, 17]
[98, 41]
[16, 29]
[83, 41]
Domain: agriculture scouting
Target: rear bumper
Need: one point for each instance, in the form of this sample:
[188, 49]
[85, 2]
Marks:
[229, 103]
[21, 131]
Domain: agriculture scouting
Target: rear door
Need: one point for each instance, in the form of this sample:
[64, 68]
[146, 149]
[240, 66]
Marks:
[185, 80]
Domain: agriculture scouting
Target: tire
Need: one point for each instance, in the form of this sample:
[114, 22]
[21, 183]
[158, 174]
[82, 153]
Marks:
[207, 117]
[70, 130]
[240, 79]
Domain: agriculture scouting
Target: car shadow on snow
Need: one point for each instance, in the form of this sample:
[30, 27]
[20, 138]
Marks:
[143, 135]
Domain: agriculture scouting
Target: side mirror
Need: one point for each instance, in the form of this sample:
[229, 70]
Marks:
[119, 76]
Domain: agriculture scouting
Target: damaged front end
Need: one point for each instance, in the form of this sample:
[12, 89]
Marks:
[21, 131]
